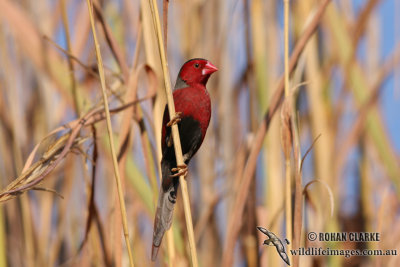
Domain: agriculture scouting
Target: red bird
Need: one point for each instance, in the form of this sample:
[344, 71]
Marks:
[193, 109]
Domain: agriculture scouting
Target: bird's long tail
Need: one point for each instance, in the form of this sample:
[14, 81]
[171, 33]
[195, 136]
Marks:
[165, 207]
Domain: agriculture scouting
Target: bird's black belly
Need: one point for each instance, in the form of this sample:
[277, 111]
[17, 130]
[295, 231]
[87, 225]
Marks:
[191, 138]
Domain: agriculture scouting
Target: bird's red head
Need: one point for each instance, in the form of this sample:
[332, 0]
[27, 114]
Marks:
[196, 71]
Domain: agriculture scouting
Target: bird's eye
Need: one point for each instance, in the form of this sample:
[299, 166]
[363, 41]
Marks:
[197, 65]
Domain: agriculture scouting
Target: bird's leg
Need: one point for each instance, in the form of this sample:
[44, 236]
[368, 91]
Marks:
[175, 119]
[181, 170]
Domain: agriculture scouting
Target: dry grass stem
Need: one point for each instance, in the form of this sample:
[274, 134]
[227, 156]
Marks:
[175, 133]
[110, 136]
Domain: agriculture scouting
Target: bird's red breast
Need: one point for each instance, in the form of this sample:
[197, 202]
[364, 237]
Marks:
[192, 102]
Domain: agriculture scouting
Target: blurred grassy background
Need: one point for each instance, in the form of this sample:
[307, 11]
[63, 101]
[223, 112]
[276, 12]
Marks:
[345, 90]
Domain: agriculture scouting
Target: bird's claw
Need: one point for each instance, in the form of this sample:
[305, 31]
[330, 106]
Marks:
[181, 170]
[175, 119]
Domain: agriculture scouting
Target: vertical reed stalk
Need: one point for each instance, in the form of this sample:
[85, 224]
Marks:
[288, 189]
[170, 234]
[110, 133]
[286, 45]
[175, 132]
[3, 235]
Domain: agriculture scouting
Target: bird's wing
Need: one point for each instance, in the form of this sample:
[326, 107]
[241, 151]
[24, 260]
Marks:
[281, 251]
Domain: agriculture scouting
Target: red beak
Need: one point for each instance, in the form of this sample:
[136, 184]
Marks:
[209, 68]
